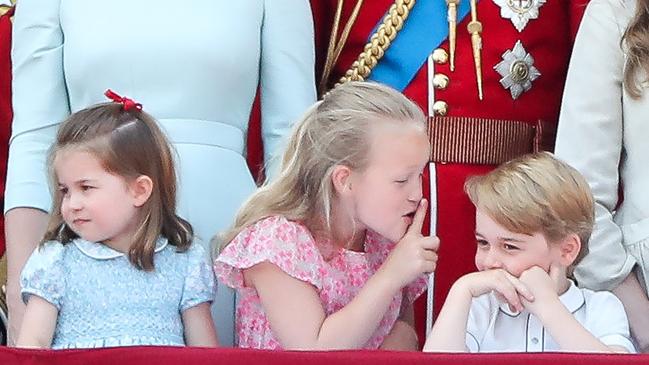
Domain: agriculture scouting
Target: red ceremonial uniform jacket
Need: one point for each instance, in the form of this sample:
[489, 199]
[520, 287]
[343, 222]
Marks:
[548, 39]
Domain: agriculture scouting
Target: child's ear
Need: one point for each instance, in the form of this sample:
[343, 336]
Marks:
[569, 249]
[141, 189]
[341, 179]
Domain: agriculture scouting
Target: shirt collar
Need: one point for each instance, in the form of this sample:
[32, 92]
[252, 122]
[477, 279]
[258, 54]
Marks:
[102, 252]
[572, 299]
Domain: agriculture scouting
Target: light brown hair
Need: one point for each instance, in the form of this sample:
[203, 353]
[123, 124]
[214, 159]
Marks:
[128, 144]
[334, 131]
[636, 42]
[537, 193]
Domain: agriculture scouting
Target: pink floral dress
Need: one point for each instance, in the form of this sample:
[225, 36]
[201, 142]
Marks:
[291, 247]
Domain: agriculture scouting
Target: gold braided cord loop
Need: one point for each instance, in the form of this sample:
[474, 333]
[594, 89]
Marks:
[336, 45]
[379, 42]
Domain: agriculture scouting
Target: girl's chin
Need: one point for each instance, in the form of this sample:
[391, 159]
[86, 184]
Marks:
[396, 237]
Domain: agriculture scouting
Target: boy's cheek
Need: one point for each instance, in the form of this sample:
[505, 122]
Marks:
[478, 263]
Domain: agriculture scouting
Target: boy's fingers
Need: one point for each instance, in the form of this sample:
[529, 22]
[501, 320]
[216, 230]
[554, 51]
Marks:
[511, 297]
[520, 287]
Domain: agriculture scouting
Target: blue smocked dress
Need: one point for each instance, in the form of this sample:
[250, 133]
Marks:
[105, 301]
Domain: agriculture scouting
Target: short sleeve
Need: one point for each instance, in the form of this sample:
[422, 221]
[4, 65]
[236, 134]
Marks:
[478, 321]
[607, 320]
[200, 286]
[288, 245]
[44, 274]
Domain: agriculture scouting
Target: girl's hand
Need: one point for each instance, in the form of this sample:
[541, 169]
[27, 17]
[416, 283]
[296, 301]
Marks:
[507, 287]
[414, 254]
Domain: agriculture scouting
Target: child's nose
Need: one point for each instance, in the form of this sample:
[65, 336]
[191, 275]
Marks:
[75, 201]
[492, 261]
[416, 194]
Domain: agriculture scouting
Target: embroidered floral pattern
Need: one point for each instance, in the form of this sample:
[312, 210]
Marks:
[104, 301]
[291, 247]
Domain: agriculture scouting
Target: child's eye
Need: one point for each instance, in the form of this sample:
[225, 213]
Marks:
[482, 243]
[64, 191]
[509, 247]
[86, 187]
[401, 181]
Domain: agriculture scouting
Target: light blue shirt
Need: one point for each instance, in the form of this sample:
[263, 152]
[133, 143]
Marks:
[104, 301]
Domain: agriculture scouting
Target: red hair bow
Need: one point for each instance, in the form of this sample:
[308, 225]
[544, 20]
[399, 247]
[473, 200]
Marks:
[128, 103]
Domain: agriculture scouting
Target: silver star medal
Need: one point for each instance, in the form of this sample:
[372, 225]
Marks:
[519, 11]
[517, 70]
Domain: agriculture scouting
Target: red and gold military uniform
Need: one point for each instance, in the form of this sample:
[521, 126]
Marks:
[470, 135]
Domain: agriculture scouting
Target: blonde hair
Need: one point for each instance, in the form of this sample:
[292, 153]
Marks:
[128, 144]
[636, 39]
[334, 131]
[537, 193]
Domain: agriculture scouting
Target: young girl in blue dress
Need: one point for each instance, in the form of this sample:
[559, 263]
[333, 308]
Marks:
[117, 266]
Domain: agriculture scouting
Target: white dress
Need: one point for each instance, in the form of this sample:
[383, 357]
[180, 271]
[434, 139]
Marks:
[194, 66]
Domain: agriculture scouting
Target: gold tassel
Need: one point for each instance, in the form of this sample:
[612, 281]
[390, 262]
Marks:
[452, 26]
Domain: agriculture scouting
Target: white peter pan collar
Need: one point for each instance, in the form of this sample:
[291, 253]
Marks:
[572, 299]
[102, 252]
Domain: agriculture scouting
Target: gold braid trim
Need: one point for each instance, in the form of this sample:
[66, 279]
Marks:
[379, 42]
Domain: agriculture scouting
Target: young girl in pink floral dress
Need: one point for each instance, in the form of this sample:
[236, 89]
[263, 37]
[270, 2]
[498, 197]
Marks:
[329, 255]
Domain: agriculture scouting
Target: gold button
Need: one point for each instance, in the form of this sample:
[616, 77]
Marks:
[440, 108]
[440, 81]
[440, 56]
[519, 71]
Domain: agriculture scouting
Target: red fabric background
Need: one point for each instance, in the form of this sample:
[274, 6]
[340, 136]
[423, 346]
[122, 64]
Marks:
[5, 110]
[548, 38]
[255, 145]
[184, 356]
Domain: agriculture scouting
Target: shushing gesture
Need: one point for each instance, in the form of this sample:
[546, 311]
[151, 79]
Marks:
[414, 254]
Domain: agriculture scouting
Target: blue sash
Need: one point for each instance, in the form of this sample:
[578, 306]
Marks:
[424, 30]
